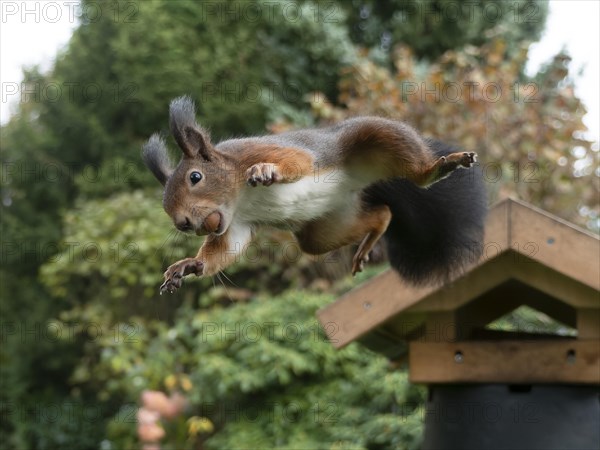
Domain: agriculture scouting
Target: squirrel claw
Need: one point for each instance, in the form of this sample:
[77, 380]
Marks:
[358, 263]
[465, 159]
[175, 273]
[469, 159]
[263, 173]
[166, 287]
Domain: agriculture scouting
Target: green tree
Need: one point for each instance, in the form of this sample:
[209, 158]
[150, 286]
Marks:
[431, 27]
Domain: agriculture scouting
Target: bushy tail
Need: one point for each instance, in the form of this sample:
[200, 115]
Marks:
[437, 231]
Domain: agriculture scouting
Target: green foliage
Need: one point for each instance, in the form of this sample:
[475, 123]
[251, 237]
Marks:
[528, 320]
[431, 27]
[267, 377]
[102, 244]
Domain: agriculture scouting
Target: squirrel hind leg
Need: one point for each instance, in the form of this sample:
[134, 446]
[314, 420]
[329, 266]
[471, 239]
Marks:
[367, 227]
[376, 220]
[443, 167]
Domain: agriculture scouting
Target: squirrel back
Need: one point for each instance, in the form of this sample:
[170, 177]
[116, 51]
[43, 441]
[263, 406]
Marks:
[437, 231]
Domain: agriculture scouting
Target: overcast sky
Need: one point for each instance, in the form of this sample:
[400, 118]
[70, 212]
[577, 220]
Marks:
[46, 28]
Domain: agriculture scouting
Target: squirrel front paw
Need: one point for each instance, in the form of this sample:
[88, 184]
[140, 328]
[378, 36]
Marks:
[175, 273]
[263, 173]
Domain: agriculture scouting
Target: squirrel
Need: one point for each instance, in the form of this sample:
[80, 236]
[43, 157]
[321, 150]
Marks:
[348, 183]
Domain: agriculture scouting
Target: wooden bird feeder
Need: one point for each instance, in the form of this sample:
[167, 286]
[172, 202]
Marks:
[530, 258]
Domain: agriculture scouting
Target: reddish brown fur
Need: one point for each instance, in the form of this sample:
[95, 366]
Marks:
[293, 163]
[396, 150]
[370, 149]
[388, 151]
[330, 233]
[182, 200]
[216, 254]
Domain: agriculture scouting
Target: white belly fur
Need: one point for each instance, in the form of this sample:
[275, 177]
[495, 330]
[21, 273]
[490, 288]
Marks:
[307, 199]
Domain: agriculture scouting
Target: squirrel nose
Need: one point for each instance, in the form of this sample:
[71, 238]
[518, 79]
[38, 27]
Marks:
[184, 225]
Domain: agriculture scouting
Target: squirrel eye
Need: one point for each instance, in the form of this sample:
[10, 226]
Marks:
[195, 177]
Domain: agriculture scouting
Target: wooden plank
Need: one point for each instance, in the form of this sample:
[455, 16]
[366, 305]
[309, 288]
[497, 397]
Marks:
[463, 290]
[405, 325]
[368, 306]
[555, 284]
[486, 308]
[441, 327]
[385, 344]
[497, 230]
[588, 323]
[507, 297]
[552, 361]
[487, 334]
[510, 265]
[555, 243]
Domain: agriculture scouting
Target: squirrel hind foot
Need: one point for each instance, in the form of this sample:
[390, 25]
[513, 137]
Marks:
[445, 165]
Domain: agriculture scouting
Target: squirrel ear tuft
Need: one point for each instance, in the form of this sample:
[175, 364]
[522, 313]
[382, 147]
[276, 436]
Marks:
[193, 140]
[199, 143]
[156, 158]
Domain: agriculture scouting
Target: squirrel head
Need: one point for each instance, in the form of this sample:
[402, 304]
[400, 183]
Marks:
[200, 192]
